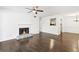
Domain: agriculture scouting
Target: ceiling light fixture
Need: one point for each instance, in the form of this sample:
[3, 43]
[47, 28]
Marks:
[35, 10]
[76, 18]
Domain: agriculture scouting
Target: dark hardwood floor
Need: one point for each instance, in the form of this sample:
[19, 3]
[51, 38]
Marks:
[42, 42]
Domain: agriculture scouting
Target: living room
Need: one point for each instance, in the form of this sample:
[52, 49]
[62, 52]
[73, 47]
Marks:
[44, 29]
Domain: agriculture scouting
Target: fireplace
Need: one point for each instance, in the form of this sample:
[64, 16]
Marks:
[23, 31]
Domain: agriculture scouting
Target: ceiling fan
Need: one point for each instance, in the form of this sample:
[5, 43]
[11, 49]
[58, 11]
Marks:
[34, 9]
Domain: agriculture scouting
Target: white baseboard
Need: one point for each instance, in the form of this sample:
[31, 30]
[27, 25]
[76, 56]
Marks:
[7, 38]
[10, 38]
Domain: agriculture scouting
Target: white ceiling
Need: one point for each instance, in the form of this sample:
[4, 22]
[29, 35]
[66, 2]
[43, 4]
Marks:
[48, 10]
[57, 10]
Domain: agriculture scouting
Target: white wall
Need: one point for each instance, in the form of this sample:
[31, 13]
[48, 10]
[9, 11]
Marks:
[45, 25]
[69, 25]
[10, 21]
[0, 26]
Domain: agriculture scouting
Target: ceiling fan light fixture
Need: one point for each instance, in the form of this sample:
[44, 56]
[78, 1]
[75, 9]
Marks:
[35, 16]
[76, 18]
[35, 10]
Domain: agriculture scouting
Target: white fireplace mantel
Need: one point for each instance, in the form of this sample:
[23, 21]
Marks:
[24, 25]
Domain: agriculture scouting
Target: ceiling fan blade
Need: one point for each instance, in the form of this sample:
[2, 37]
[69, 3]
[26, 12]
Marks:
[40, 10]
[29, 11]
[28, 8]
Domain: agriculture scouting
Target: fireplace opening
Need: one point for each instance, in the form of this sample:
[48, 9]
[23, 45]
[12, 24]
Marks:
[23, 31]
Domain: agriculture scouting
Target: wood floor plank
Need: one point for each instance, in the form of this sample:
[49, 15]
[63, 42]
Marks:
[41, 43]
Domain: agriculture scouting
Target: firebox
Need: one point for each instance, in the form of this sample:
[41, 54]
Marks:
[23, 31]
